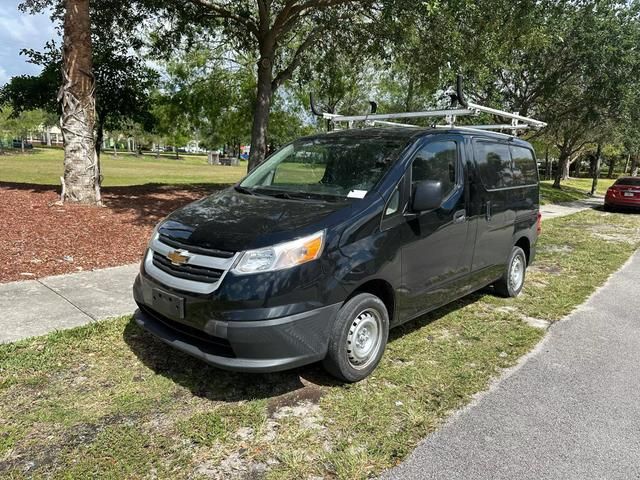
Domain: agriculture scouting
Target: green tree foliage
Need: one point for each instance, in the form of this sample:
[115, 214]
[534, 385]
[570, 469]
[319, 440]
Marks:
[211, 97]
[124, 81]
[278, 34]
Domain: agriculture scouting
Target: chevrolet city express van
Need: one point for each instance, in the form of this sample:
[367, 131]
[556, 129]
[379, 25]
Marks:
[337, 238]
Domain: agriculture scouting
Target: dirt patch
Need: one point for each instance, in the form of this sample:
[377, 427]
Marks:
[550, 269]
[233, 467]
[309, 394]
[562, 249]
[615, 237]
[41, 238]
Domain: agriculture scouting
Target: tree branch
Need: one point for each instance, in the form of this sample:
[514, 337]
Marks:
[286, 73]
[221, 12]
[291, 12]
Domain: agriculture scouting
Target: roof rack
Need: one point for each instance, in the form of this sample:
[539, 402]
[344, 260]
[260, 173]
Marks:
[518, 122]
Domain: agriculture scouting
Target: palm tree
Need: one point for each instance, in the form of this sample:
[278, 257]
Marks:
[81, 180]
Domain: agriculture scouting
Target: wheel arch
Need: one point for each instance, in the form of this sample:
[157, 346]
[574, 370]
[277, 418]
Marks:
[381, 289]
[525, 244]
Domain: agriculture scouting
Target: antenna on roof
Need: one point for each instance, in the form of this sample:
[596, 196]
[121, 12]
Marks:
[518, 122]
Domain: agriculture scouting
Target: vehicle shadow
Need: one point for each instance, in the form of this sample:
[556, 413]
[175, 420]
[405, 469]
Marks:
[215, 384]
[209, 382]
[437, 314]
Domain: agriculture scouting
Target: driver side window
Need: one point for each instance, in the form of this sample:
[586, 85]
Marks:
[436, 161]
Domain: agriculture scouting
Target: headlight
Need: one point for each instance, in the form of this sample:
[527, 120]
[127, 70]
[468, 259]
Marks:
[154, 233]
[284, 255]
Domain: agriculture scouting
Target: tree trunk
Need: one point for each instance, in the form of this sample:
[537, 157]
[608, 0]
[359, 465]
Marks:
[565, 169]
[596, 169]
[547, 164]
[22, 145]
[612, 165]
[261, 113]
[48, 134]
[81, 168]
[626, 164]
[408, 102]
[562, 172]
[577, 165]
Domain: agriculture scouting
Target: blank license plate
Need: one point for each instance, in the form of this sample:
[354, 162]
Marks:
[628, 194]
[167, 304]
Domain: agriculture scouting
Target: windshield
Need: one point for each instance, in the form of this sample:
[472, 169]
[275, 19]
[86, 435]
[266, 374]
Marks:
[330, 166]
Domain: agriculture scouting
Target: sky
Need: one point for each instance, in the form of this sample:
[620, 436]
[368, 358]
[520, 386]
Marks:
[17, 31]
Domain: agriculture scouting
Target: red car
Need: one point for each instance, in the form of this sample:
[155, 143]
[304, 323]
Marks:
[624, 193]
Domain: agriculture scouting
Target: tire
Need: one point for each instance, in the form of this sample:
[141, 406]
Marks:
[358, 338]
[512, 281]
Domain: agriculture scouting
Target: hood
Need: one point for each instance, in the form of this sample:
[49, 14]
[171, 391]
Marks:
[234, 221]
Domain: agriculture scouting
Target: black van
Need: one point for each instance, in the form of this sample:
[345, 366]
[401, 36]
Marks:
[336, 238]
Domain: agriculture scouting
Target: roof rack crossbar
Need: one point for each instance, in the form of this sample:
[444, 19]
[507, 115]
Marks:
[498, 126]
[394, 124]
[389, 116]
[494, 111]
[450, 114]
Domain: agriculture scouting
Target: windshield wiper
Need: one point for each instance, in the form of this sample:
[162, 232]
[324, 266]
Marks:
[286, 195]
[245, 190]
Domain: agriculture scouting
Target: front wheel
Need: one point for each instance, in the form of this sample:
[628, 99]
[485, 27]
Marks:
[358, 338]
[512, 280]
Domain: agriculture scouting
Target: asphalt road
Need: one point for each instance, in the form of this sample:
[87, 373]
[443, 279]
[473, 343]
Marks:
[571, 410]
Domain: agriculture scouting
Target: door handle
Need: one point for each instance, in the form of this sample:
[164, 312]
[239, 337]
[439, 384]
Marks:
[488, 210]
[459, 216]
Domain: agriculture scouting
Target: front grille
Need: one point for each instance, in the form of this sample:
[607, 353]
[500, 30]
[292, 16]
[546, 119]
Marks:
[202, 340]
[211, 252]
[195, 273]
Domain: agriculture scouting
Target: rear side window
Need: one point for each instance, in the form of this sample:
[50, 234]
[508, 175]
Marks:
[525, 170]
[494, 164]
[436, 161]
[633, 181]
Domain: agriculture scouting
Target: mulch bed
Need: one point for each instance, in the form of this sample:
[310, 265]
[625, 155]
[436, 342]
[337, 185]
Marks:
[39, 238]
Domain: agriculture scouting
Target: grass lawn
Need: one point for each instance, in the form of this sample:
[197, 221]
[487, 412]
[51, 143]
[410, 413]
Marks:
[106, 400]
[572, 189]
[44, 166]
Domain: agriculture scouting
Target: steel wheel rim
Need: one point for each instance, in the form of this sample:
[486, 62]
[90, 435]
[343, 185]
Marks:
[516, 272]
[364, 339]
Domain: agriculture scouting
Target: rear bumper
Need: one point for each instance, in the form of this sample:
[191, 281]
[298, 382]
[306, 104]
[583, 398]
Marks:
[249, 346]
[621, 202]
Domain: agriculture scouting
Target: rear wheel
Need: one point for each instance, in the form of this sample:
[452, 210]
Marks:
[512, 280]
[358, 338]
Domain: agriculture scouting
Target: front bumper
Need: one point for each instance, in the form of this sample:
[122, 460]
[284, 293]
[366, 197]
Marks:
[246, 344]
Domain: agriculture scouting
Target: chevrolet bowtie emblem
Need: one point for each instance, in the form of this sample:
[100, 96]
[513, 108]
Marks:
[179, 257]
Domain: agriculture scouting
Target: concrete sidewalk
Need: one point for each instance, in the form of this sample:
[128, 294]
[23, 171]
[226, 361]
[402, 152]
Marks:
[36, 307]
[570, 409]
[554, 210]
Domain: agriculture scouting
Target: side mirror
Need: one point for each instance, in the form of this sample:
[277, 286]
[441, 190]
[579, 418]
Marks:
[427, 195]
